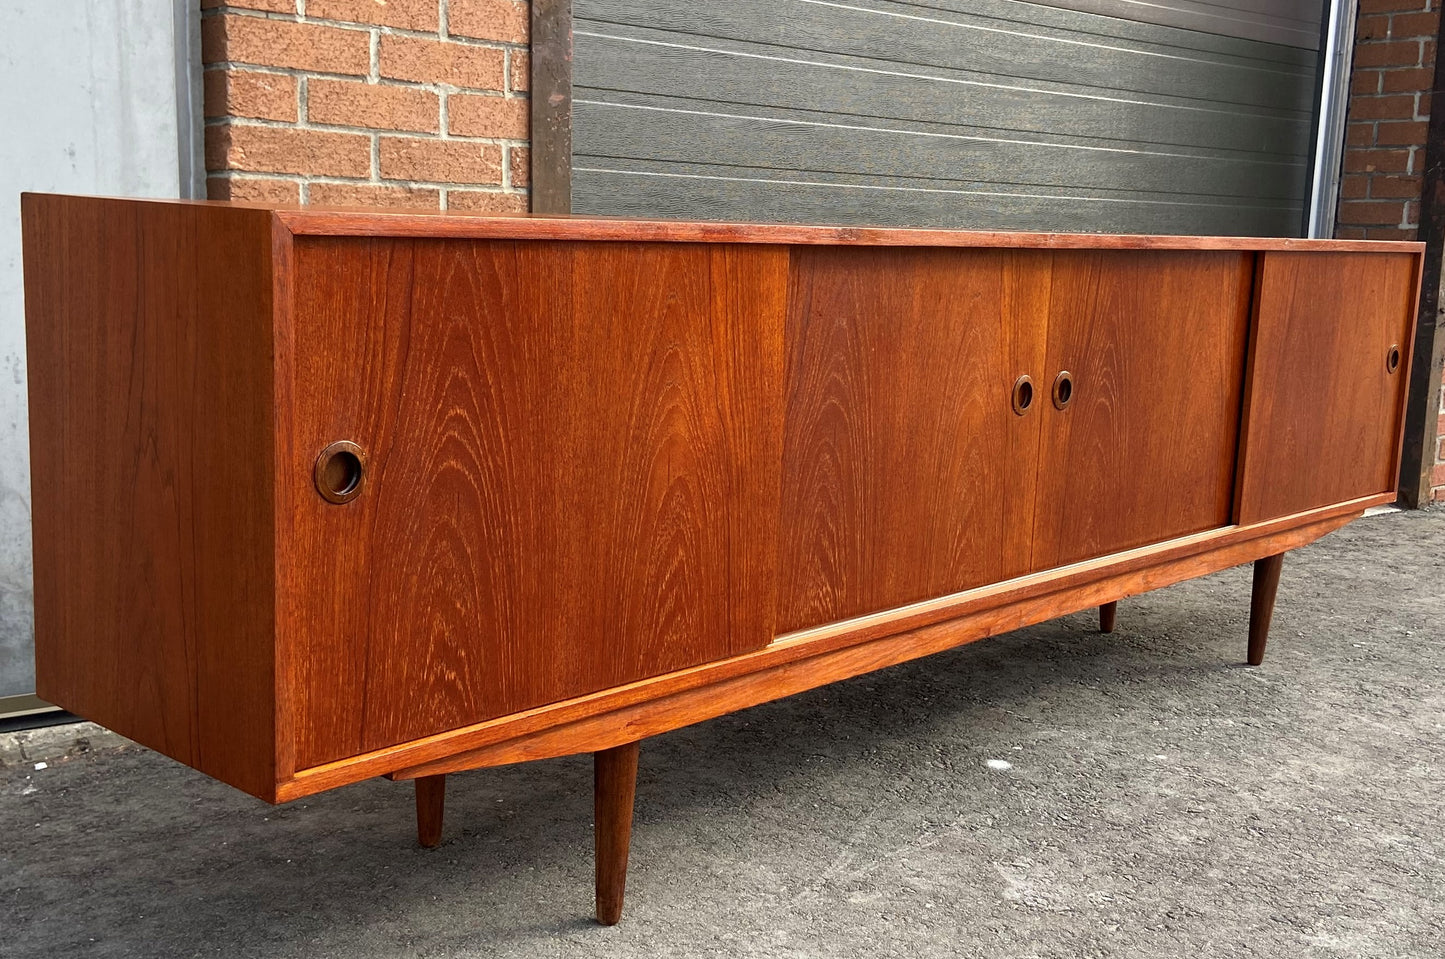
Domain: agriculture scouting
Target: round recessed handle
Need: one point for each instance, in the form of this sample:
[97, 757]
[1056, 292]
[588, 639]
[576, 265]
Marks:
[339, 471]
[1063, 390]
[1392, 359]
[1023, 394]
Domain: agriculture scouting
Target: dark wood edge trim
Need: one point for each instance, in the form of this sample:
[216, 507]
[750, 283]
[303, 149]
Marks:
[551, 92]
[774, 681]
[1241, 464]
[846, 632]
[1420, 429]
[807, 645]
[1411, 346]
[319, 223]
[282, 380]
[316, 221]
[1420, 417]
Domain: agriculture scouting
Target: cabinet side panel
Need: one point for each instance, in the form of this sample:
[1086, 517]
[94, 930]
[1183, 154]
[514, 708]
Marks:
[572, 474]
[148, 331]
[1323, 408]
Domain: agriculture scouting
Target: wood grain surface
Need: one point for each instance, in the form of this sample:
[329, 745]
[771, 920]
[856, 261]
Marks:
[1108, 616]
[149, 363]
[573, 476]
[437, 224]
[1261, 605]
[1145, 449]
[1067, 590]
[431, 804]
[1323, 412]
[905, 472]
[612, 720]
[315, 221]
[614, 786]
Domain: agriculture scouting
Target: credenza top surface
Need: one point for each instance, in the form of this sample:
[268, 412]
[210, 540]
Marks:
[315, 221]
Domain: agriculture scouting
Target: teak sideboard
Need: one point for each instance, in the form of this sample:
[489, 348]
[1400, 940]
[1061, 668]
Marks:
[325, 495]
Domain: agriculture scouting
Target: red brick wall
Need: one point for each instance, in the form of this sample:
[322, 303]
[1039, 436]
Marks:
[367, 102]
[1389, 111]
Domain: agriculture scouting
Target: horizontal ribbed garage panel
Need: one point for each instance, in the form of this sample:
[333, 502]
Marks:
[1291, 22]
[989, 114]
[767, 196]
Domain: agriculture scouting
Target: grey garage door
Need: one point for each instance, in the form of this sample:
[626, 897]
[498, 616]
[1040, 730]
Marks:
[1170, 116]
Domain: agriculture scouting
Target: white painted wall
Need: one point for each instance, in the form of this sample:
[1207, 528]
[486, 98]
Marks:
[87, 105]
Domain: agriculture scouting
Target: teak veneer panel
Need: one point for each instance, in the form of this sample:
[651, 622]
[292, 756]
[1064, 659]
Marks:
[149, 345]
[572, 477]
[1324, 413]
[900, 445]
[1145, 450]
[312, 221]
[816, 657]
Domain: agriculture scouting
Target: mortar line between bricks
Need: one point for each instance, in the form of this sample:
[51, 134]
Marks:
[384, 85]
[357, 26]
[241, 66]
[384, 82]
[311, 127]
[357, 181]
[511, 76]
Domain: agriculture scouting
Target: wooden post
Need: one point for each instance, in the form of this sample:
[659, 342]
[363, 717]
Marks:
[614, 780]
[431, 792]
[1422, 401]
[1107, 614]
[1261, 604]
[551, 93]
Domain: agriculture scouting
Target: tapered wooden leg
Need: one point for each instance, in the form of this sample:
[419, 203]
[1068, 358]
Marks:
[1107, 614]
[1261, 604]
[431, 794]
[614, 782]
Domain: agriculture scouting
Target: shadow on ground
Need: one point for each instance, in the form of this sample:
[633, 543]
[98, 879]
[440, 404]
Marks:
[1161, 800]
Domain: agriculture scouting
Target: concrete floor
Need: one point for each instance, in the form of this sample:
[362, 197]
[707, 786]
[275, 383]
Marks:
[1160, 800]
